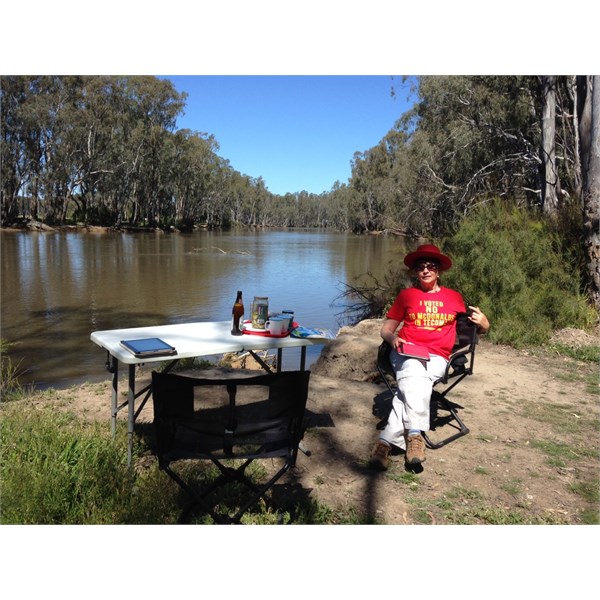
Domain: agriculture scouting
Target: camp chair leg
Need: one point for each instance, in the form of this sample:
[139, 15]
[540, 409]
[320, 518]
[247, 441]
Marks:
[228, 474]
[453, 419]
[260, 493]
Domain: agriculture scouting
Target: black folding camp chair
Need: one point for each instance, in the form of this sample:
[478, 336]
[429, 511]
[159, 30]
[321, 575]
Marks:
[459, 366]
[229, 423]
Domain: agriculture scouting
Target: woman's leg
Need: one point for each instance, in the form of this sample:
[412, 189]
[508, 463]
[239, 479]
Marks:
[393, 433]
[410, 408]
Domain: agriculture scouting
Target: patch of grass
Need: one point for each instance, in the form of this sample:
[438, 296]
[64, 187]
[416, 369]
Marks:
[444, 504]
[592, 381]
[423, 517]
[479, 512]
[583, 353]
[100, 389]
[590, 516]
[408, 478]
[10, 372]
[464, 506]
[55, 469]
[559, 454]
[484, 515]
[481, 470]
[593, 388]
[463, 494]
[569, 377]
[589, 490]
[512, 486]
[561, 417]
[580, 372]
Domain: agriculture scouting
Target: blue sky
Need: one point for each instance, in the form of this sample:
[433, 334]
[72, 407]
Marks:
[299, 133]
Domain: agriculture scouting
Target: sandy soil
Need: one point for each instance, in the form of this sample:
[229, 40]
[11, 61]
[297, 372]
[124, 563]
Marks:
[532, 454]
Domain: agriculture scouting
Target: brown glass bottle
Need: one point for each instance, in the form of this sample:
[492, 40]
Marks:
[238, 312]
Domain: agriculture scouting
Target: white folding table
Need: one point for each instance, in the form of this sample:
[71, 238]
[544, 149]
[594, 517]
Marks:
[191, 340]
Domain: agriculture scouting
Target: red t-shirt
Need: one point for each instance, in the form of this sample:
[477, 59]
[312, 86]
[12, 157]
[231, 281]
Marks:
[428, 319]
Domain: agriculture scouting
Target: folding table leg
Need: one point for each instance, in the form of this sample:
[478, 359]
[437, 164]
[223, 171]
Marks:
[261, 362]
[114, 396]
[130, 414]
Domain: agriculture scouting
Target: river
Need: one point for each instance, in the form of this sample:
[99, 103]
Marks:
[59, 287]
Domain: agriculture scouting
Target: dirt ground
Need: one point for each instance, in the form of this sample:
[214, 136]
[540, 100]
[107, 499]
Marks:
[532, 454]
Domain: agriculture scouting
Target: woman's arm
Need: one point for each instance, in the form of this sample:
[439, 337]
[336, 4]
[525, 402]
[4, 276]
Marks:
[388, 333]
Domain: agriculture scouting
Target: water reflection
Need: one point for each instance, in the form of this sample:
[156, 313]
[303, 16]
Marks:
[59, 287]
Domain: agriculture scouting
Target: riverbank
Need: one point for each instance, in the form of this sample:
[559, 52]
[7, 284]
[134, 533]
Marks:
[531, 456]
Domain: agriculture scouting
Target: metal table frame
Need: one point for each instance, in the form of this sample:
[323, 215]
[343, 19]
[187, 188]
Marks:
[191, 340]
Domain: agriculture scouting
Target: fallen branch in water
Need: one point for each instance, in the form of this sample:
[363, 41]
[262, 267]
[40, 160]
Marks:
[245, 252]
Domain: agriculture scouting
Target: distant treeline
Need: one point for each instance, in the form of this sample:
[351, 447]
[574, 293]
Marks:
[105, 150]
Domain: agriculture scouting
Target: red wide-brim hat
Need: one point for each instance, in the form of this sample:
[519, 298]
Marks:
[428, 251]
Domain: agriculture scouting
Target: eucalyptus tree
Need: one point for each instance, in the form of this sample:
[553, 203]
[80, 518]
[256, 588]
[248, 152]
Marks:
[258, 196]
[192, 167]
[342, 208]
[370, 177]
[14, 173]
[237, 188]
[40, 116]
[485, 138]
[287, 209]
[94, 121]
[155, 105]
[219, 192]
[551, 180]
[588, 112]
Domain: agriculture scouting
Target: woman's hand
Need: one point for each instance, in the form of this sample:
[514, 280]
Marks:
[477, 317]
[397, 342]
[388, 333]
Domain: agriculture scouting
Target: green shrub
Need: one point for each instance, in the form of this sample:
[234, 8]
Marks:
[510, 264]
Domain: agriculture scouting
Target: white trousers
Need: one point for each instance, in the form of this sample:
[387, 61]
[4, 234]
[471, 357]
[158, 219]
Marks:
[410, 407]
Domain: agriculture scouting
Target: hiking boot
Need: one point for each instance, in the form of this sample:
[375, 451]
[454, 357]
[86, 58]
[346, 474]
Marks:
[380, 456]
[415, 449]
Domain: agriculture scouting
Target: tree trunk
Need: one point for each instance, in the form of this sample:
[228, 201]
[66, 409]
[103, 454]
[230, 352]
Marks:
[549, 190]
[590, 161]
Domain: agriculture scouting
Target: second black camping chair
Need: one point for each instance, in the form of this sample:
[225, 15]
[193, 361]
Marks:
[230, 422]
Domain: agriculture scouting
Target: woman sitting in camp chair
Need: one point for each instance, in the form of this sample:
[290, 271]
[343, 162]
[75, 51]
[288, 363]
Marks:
[420, 351]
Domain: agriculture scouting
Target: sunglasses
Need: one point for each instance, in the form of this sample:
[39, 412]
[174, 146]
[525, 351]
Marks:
[429, 266]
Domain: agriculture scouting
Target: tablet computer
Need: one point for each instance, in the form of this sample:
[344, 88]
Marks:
[147, 347]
